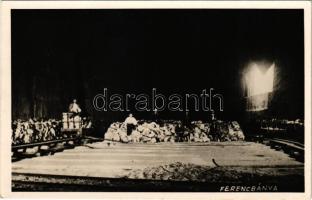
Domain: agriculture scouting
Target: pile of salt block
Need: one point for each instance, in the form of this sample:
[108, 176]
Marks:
[151, 132]
[145, 132]
[216, 131]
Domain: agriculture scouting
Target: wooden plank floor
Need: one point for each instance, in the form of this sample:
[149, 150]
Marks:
[115, 160]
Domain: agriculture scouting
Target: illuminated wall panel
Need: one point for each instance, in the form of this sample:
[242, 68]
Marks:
[259, 83]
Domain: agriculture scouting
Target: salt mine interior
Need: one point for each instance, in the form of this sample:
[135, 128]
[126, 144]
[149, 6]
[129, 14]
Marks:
[162, 99]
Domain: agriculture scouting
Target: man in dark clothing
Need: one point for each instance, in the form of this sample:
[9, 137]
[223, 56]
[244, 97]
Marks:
[180, 132]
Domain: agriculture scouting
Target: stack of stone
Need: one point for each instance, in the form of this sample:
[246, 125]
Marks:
[198, 131]
[144, 132]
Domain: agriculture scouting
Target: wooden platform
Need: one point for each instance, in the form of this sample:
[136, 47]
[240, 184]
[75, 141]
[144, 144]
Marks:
[113, 160]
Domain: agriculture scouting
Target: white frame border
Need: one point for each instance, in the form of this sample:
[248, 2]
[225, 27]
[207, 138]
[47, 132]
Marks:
[5, 95]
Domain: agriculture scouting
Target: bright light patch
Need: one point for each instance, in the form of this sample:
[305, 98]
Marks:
[258, 102]
[259, 82]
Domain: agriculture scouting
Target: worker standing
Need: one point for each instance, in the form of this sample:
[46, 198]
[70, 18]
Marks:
[180, 132]
[156, 115]
[130, 122]
[74, 107]
[74, 116]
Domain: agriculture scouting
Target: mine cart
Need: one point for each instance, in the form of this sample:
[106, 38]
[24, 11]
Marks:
[72, 125]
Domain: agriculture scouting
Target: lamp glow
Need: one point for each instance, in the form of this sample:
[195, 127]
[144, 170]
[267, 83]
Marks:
[259, 82]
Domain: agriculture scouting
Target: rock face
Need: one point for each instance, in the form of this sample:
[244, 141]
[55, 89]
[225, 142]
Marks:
[173, 131]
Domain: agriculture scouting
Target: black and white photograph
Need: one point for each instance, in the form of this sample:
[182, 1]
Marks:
[158, 100]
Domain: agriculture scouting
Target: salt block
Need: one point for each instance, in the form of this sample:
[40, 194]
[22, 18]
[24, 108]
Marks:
[44, 147]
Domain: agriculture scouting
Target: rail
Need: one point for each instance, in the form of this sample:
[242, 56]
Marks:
[30, 145]
[292, 148]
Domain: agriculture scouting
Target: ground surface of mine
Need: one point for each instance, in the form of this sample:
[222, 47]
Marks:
[108, 159]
